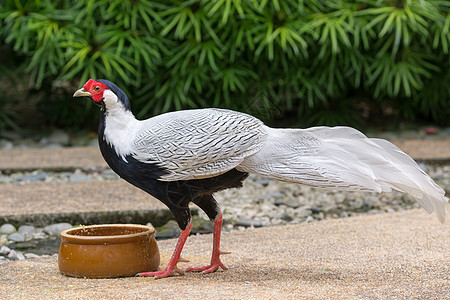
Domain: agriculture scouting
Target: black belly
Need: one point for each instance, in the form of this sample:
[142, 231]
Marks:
[175, 194]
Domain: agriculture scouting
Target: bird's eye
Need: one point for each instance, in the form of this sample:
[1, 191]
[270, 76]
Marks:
[96, 88]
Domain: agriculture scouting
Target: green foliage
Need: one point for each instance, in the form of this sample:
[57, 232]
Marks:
[317, 59]
[6, 116]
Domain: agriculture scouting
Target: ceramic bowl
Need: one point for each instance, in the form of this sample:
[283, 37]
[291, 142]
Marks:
[105, 251]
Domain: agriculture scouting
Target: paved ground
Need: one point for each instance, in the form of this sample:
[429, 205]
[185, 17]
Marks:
[398, 255]
[426, 149]
[389, 256]
[41, 197]
[43, 203]
[76, 157]
[86, 157]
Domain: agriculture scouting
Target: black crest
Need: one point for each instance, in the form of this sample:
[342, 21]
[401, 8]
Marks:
[119, 93]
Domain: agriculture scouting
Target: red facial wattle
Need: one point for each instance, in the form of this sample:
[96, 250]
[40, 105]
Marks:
[96, 89]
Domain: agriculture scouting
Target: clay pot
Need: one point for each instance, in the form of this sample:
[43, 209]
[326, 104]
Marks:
[102, 251]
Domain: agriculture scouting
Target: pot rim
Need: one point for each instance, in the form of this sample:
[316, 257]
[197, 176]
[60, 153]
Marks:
[68, 237]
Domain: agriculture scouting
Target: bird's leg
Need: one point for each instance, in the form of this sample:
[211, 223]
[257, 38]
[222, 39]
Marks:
[172, 268]
[215, 258]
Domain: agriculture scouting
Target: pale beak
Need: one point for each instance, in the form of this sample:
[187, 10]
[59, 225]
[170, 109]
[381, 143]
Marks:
[81, 93]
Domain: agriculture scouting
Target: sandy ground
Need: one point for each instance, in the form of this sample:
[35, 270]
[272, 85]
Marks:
[389, 256]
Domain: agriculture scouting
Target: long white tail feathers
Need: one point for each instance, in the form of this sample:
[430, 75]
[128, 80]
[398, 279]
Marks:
[342, 158]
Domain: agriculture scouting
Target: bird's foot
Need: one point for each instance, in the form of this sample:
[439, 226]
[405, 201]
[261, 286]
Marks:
[169, 271]
[208, 269]
[214, 266]
[161, 274]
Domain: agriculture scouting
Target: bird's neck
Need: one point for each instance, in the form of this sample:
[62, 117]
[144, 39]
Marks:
[117, 129]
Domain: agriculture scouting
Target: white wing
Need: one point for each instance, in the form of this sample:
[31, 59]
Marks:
[198, 143]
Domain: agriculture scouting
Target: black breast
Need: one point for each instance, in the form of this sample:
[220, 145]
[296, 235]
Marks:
[142, 175]
[175, 194]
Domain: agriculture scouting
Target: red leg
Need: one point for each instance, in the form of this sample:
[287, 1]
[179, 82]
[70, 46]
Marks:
[215, 258]
[172, 268]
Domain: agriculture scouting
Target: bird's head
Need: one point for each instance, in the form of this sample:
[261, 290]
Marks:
[104, 93]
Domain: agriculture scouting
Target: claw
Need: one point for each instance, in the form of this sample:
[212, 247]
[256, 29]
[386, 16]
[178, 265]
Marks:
[162, 273]
[208, 269]
[212, 267]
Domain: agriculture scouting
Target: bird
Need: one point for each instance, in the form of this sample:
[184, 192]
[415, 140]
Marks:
[186, 156]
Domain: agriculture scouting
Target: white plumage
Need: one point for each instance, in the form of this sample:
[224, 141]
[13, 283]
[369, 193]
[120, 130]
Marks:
[187, 156]
[203, 143]
[343, 158]
[198, 143]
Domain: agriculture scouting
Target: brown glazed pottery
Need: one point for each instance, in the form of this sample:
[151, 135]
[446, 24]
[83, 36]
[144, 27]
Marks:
[103, 251]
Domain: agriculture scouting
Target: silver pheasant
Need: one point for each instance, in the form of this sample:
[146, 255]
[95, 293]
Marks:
[186, 156]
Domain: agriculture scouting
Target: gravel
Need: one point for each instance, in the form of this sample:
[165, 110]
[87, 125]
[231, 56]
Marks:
[49, 140]
[40, 176]
[249, 223]
[26, 229]
[78, 175]
[16, 237]
[261, 202]
[7, 229]
[56, 229]
[272, 202]
[58, 138]
[21, 243]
